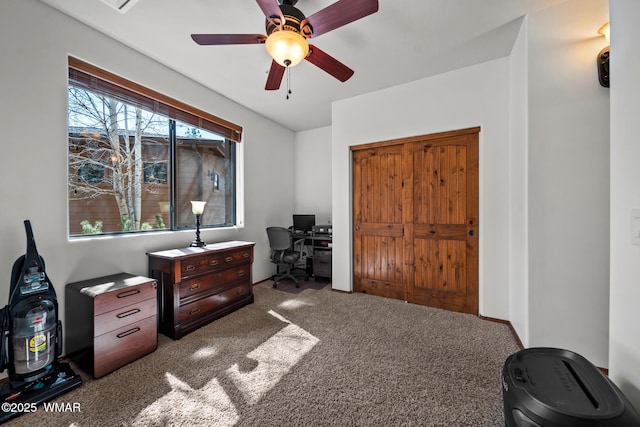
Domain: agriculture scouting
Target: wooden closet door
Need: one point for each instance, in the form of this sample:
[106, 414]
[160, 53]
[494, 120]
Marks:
[441, 222]
[415, 217]
[377, 219]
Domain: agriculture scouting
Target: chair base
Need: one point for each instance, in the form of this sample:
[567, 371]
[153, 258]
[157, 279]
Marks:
[288, 274]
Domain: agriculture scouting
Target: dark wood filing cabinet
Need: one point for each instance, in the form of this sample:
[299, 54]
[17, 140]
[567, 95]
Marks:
[110, 321]
[199, 285]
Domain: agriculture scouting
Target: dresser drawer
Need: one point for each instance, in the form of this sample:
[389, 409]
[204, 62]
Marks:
[121, 317]
[117, 348]
[108, 301]
[201, 264]
[237, 257]
[213, 281]
[197, 309]
[214, 261]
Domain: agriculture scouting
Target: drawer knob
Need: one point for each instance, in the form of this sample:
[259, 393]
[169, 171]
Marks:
[190, 267]
[194, 310]
[214, 262]
[128, 293]
[129, 332]
[194, 286]
[241, 273]
[228, 259]
[128, 313]
[245, 255]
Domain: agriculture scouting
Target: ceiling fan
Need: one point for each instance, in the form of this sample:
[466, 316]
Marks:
[288, 30]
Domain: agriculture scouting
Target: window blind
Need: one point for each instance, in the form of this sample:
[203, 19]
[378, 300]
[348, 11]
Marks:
[87, 76]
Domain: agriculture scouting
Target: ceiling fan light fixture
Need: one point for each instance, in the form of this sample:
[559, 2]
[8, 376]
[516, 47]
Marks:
[287, 48]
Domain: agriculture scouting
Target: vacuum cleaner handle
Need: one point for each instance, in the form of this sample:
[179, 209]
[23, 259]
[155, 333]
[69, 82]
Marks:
[58, 340]
[28, 273]
[4, 338]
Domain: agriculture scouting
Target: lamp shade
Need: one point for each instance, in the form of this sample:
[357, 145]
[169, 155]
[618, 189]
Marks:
[287, 47]
[197, 207]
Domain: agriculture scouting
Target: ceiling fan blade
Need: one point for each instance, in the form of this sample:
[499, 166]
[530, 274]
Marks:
[329, 64]
[340, 13]
[275, 76]
[220, 39]
[271, 9]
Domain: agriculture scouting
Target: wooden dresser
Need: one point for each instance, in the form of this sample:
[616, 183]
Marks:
[198, 285]
[110, 321]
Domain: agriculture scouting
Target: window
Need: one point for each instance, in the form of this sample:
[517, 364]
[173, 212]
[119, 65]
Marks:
[90, 172]
[137, 158]
[155, 173]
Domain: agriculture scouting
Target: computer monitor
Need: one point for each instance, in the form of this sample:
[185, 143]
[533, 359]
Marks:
[303, 222]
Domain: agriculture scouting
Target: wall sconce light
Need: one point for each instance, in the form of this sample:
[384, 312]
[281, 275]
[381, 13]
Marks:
[197, 207]
[603, 58]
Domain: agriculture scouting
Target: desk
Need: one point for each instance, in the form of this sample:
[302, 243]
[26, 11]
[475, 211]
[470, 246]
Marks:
[320, 252]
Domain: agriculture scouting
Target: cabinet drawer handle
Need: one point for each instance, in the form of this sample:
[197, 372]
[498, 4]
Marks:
[214, 262]
[228, 259]
[128, 313]
[194, 286]
[241, 273]
[240, 292]
[190, 267]
[245, 255]
[129, 332]
[194, 310]
[129, 293]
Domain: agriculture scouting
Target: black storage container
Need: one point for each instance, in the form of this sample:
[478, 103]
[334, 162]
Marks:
[550, 387]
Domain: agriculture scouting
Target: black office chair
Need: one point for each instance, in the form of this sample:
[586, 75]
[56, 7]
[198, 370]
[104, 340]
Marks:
[282, 254]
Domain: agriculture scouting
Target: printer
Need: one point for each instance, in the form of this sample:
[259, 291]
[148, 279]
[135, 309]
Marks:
[321, 229]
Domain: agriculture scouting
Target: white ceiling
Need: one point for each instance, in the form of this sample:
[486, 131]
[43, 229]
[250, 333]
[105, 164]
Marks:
[404, 41]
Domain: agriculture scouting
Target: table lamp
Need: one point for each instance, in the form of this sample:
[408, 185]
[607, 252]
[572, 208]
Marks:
[197, 207]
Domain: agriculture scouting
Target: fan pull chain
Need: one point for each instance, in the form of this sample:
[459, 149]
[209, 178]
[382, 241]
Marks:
[288, 81]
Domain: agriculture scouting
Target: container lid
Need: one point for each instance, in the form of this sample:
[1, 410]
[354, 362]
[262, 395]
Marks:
[566, 382]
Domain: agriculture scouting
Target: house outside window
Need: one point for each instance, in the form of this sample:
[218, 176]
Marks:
[136, 163]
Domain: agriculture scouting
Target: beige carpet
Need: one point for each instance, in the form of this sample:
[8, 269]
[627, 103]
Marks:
[307, 357]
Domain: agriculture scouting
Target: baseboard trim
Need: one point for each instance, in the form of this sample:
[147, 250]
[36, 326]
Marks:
[511, 328]
[517, 338]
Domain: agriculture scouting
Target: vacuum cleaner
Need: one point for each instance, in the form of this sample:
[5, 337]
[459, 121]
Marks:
[31, 340]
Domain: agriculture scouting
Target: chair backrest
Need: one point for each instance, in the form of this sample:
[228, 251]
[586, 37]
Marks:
[279, 238]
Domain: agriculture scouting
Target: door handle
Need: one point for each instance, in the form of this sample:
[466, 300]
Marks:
[357, 228]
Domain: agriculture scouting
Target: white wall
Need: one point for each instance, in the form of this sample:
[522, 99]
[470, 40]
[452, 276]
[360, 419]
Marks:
[519, 188]
[568, 180]
[624, 364]
[313, 173]
[473, 96]
[35, 42]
